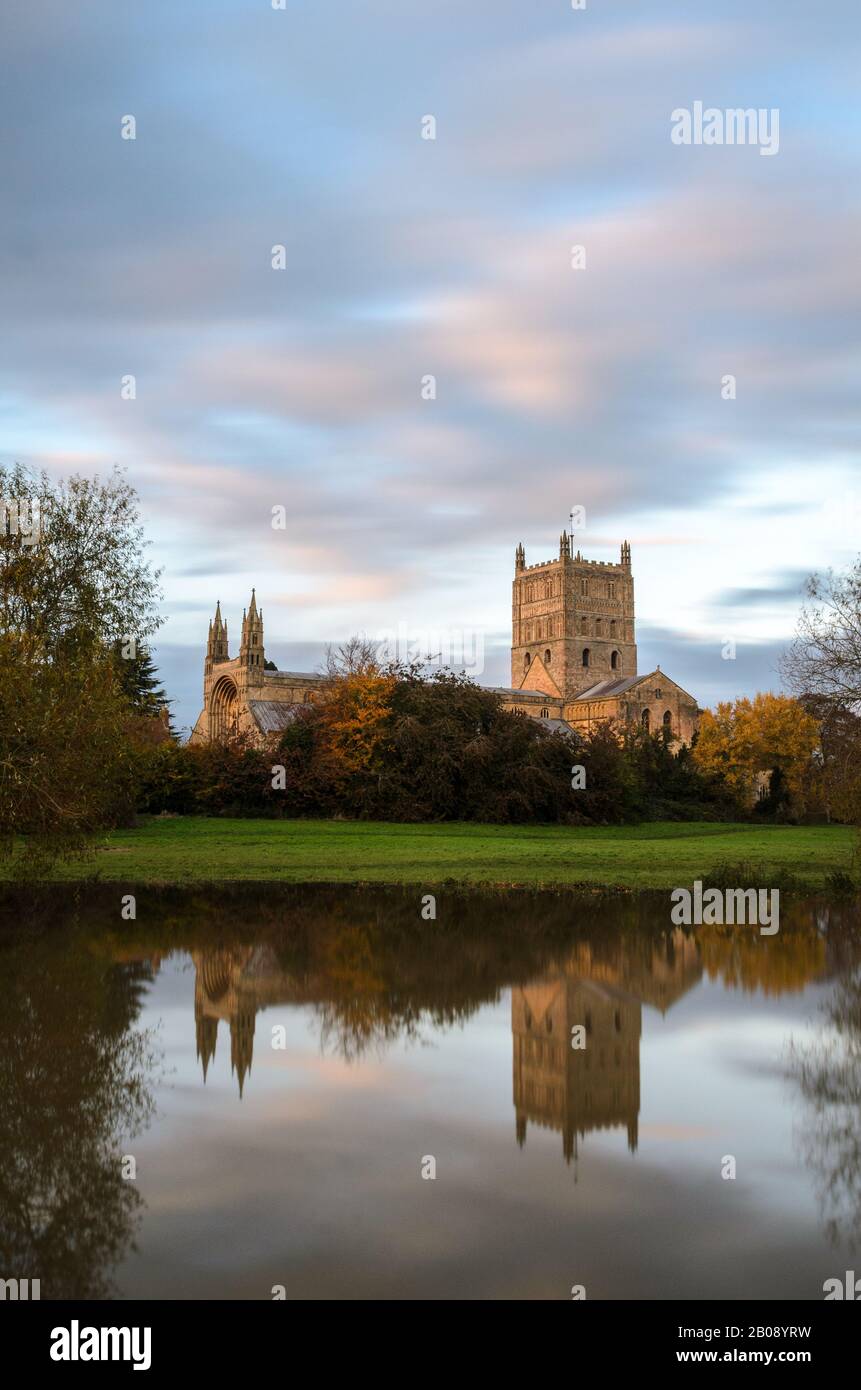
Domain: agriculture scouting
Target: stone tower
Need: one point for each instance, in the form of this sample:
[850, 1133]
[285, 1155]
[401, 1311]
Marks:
[216, 646]
[572, 622]
[252, 660]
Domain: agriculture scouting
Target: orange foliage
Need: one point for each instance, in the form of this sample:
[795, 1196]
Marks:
[750, 736]
[354, 713]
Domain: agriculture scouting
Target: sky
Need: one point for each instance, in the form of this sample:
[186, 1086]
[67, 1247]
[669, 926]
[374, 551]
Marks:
[404, 257]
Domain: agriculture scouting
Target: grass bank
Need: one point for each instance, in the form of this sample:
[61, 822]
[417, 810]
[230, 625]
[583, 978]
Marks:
[186, 850]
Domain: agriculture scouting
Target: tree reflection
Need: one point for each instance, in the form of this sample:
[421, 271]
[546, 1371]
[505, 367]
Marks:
[828, 1073]
[73, 1090]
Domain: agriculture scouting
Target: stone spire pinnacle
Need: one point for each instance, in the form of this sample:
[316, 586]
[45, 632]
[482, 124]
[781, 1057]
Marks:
[251, 652]
[216, 646]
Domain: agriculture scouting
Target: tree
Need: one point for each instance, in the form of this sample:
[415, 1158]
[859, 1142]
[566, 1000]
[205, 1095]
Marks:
[73, 582]
[85, 579]
[824, 660]
[837, 763]
[141, 687]
[65, 761]
[357, 656]
[738, 741]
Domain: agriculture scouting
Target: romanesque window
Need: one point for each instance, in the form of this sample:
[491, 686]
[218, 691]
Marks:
[547, 657]
[586, 655]
[526, 661]
[668, 721]
[614, 661]
[645, 720]
[545, 713]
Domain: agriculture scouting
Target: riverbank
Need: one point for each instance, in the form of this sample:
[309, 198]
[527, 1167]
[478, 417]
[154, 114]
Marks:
[190, 850]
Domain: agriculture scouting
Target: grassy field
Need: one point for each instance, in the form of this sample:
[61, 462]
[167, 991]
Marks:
[657, 855]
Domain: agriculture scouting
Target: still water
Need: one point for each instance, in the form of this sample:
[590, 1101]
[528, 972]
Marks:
[282, 1065]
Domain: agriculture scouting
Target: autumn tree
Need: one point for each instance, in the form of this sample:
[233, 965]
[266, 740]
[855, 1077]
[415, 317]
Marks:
[73, 583]
[740, 740]
[354, 711]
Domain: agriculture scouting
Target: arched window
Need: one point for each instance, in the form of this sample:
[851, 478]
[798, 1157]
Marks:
[668, 721]
[545, 713]
[645, 720]
[526, 661]
[614, 661]
[586, 655]
[547, 656]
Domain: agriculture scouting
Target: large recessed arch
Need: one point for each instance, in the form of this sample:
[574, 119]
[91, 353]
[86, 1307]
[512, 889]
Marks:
[223, 710]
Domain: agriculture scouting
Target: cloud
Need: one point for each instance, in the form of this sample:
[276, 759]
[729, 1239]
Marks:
[787, 588]
[451, 257]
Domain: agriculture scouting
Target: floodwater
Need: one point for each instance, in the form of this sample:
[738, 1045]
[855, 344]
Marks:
[317, 1090]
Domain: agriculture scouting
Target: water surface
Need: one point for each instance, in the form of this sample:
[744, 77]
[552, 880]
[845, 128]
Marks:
[412, 1045]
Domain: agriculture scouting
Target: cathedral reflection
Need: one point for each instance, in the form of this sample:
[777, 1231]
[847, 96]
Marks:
[602, 988]
[231, 985]
[368, 992]
[577, 1090]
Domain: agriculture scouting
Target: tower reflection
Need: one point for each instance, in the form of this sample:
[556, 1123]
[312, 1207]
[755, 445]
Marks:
[579, 1089]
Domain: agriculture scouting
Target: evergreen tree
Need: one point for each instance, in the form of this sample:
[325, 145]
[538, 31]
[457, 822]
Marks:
[139, 682]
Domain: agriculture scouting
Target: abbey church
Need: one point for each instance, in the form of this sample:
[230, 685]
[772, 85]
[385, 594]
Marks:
[573, 659]
[574, 648]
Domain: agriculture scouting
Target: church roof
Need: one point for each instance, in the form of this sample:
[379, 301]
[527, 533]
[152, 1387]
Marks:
[271, 716]
[605, 688]
[556, 726]
[295, 676]
[608, 689]
[521, 690]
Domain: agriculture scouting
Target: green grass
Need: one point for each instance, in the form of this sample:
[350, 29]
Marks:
[655, 855]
